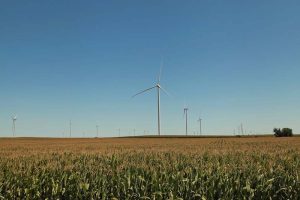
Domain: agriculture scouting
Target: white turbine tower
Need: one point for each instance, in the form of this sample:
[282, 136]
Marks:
[97, 128]
[70, 128]
[158, 87]
[14, 119]
[200, 127]
[185, 112]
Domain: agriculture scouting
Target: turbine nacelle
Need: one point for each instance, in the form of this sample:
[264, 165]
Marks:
[185, 110]
[14, 118]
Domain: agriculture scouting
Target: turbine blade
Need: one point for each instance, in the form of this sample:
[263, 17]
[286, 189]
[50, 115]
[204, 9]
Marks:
[160, 70]
[144, 91]
[165, 91]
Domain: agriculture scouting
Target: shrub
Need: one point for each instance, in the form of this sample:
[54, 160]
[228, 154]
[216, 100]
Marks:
[285, 132]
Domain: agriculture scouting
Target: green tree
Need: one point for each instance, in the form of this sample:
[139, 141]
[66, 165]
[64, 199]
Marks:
[285, 132]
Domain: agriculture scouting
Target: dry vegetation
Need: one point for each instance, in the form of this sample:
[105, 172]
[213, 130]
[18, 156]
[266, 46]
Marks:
[150, 168]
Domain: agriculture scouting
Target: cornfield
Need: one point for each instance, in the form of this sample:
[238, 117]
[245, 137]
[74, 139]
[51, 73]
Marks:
[150, 168]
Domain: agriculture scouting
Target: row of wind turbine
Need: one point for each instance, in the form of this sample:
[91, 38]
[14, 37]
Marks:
[158, 87]
[185, 113]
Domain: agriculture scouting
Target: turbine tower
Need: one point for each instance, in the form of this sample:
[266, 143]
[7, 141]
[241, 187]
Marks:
[200, 128]
[185, 112]
[97, 127]
[242, 129]
[158, 88]
[70, 128]
[14, 119]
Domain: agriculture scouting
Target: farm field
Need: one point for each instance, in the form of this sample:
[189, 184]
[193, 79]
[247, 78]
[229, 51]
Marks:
[150, 168]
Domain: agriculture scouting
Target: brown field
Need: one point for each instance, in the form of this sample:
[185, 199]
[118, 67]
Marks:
[30, 146]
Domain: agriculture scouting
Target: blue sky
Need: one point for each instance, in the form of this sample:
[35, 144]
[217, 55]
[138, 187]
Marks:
[230, 61]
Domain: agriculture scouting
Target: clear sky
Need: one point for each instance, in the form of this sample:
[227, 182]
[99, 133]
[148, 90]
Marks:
[230, 61]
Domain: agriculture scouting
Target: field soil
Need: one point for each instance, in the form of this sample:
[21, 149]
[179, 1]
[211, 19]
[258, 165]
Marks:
[29, 146]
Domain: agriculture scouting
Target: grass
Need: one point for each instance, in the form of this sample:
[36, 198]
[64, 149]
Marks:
[150, 168]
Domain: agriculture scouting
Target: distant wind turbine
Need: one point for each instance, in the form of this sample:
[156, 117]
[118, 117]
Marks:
[70, 128]
[242, 129]
[97, 127]
[158, 87]
[200, 128]
[185, 112]
[14, 119]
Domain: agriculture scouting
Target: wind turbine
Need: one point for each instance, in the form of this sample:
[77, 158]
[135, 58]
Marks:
[70, 128]
[200, 128]
[158, 88]
[97, 127]
[185, 112]
[14, 119]
[242, 129]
